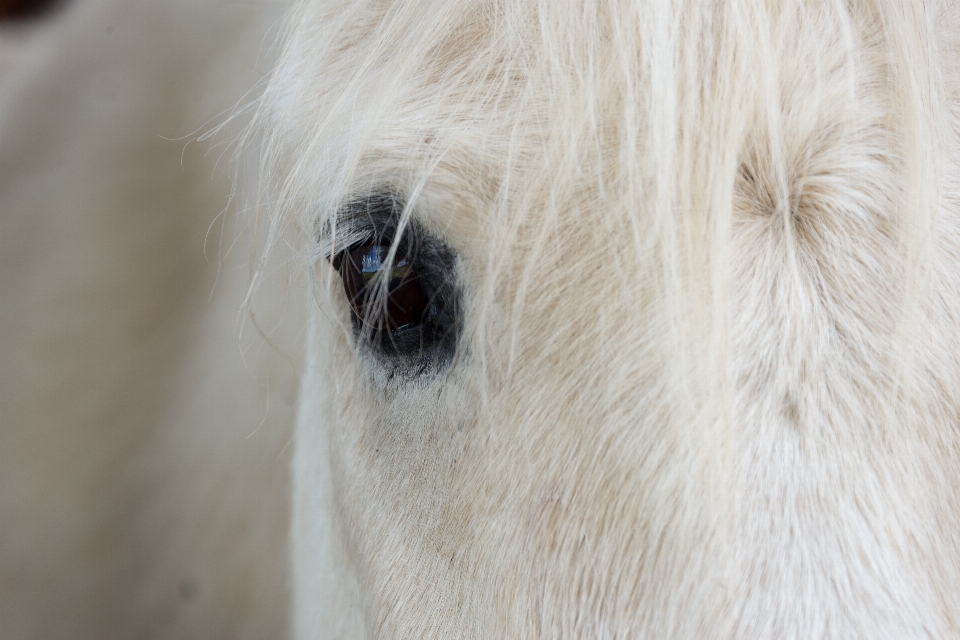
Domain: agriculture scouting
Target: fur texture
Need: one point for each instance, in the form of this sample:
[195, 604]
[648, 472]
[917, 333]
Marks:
[707, 385]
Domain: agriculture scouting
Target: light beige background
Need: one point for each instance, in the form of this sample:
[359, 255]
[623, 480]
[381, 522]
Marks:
[144, 433]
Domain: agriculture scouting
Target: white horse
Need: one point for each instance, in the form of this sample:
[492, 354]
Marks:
[627, 319]
[648, 324]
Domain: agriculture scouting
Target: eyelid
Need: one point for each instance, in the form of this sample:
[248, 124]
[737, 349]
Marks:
[332, 248]
[332, 245]
[365, 218]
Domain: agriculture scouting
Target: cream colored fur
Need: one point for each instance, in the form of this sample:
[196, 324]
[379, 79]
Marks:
[708, 384]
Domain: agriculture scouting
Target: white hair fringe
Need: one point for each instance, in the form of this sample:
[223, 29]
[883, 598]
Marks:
[675, 104]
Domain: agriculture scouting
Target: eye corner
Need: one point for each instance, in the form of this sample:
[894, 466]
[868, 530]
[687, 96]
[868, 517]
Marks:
[335, 258]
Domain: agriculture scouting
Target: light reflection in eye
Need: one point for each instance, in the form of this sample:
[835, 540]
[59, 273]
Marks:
[372, 264]
[406, 303]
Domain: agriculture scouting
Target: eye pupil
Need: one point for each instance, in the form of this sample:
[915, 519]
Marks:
[364, 269]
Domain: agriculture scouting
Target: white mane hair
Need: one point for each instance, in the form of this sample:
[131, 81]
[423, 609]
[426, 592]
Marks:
[707, 383]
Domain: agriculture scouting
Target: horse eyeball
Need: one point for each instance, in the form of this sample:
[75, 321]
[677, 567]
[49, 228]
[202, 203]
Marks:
[386, 297]
[402, 289]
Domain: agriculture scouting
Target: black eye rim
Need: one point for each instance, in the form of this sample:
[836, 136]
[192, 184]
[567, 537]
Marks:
[409, 350]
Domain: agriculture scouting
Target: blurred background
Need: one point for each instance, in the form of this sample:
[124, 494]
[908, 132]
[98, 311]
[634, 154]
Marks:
[145, 419]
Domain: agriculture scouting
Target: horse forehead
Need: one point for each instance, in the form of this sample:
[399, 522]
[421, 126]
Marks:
[489, 79]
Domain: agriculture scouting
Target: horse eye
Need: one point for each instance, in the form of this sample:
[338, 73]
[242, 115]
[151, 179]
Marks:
[402, 288]
[387, 298]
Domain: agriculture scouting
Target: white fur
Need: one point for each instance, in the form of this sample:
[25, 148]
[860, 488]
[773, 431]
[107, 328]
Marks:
[707, 381]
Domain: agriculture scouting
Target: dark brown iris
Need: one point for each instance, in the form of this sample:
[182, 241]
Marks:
[367, 276]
